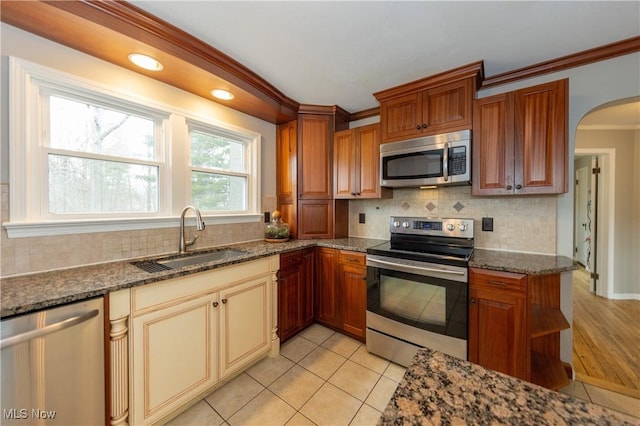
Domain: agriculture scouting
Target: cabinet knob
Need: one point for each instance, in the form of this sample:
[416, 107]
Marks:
[518, 186]
[509, 187]
[424, 126]
[224, 300]
[354, 194]
[418, 127]
[472, 301]
[215, 304]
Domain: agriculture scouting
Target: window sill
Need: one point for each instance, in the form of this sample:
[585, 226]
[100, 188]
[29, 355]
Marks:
[67, 227]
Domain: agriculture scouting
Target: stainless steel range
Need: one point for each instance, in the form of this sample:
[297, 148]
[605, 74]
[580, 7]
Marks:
[417, 286]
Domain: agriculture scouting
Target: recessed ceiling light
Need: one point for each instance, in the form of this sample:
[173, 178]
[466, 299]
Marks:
[146, 62]
[225, 95]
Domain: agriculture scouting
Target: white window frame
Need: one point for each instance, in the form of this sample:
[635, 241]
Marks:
[28, 173]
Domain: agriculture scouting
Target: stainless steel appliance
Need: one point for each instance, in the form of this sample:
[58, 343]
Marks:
[433, 160]
[53, 366]
[417, 287]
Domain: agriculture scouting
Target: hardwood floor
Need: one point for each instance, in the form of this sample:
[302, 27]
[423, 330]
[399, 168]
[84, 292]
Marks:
[606, 339]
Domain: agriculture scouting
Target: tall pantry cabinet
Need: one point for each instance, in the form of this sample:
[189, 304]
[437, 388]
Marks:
[304, 164]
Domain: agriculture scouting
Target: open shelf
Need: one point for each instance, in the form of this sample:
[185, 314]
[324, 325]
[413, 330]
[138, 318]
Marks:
[548, 372]
[546, 320]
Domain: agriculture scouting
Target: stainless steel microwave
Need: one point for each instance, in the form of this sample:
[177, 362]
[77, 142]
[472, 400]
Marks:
[432, 160]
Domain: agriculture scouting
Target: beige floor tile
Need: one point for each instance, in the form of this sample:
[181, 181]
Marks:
[576, 389]
[366, 416]
[265, 409]
[232, 396]
[341, 344]
[317, 333]
[269, 369]
[199, 414]
[296, 386]
[322, 362]
[300, 420]
[331, 406]
[613, 400]
[394, 372]
[297, 348]
[381, 393]
[355, 379]
[371, 361]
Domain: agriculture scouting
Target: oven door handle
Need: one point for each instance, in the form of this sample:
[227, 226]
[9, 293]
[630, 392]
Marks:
[410, 268]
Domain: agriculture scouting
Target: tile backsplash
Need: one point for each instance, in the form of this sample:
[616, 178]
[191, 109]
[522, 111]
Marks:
[522, 223]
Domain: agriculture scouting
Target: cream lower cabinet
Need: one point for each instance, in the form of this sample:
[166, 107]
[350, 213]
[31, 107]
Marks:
[189, 333]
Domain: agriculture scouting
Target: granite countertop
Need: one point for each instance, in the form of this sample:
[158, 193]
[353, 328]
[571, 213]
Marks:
[28, 293]
[521, 263]
[440, 389]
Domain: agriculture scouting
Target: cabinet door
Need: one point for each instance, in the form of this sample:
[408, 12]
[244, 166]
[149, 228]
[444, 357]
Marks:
[173, 357]
[307, 286]
[245, 324]
[498, 323]
[346, 164]
[541, 139]
[315, 156]
[447, 108]
[286, 155]
[352, 276]
[329, 299]
[290, 295]
[493, 146]
[401, 117]
[368, 152]
[315, 219]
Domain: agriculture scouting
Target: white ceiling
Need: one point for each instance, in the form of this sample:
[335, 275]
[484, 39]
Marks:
[340, 53]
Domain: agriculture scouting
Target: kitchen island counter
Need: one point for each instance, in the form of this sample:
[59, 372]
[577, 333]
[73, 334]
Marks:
[440, 389]
[520, 263]
[28, 293]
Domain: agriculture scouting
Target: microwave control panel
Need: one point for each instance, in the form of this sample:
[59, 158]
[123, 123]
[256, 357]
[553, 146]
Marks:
[458, 160]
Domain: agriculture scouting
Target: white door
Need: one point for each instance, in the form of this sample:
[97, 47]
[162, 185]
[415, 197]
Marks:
[583, 219]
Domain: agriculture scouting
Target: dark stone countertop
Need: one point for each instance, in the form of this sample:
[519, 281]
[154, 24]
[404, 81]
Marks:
[28, 293]
[438, 389]
[521, 263]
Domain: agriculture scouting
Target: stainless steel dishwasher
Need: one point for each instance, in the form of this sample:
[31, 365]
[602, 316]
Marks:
[53, 366]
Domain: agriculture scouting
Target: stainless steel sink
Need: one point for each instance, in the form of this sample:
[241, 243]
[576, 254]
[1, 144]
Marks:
[188, 260]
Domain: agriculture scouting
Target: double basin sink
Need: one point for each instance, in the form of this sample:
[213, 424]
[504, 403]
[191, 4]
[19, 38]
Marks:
[188, 259]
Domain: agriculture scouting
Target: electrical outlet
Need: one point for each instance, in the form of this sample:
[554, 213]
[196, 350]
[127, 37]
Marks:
[361, 218]
[267, 217]
[487, 224]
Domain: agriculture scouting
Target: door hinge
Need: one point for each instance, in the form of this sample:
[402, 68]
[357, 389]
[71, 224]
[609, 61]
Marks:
[595, 171]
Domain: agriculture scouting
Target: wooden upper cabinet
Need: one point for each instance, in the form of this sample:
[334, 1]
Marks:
[315, 155]
[356, 163]
[286, 156]
[520, 142]
[438, 104]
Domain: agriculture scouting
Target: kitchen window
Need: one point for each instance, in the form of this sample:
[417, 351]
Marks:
[89, 158]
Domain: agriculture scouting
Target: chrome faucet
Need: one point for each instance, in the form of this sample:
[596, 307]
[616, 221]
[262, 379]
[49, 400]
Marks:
[199, 226]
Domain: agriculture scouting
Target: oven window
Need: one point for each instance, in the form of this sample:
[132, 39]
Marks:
[416, 302]
[415, 165]
[429, 303]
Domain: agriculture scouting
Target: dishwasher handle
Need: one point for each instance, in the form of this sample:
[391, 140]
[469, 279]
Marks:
[51, 328]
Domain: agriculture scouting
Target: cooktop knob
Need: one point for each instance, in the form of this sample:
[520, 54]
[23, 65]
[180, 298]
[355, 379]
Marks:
[396, 224]
[451, 227]
[405, 224]
[462, 227]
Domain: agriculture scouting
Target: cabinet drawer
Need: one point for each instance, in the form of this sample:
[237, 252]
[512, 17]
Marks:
[290, 259]
[352, 258]
[495, 280]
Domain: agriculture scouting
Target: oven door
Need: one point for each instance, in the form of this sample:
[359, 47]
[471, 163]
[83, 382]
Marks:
[422, 295]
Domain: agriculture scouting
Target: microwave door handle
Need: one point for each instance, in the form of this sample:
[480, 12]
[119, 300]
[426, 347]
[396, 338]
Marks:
[445, 162]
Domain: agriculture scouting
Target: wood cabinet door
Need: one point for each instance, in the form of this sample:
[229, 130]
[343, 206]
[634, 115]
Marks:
[290, 295]
[245, 323]
[286, 160]
[447, 108]
[493, 146]
[315, 156]
[174, 357]
[307, 271]
[401, 117]
[346, 165]
[541, 139]
[315, 219]
[328, 297]
[368, 153]
[352, 280]
[498, 337]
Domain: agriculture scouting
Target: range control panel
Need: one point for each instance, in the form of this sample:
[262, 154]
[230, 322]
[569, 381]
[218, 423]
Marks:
[455, 228]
